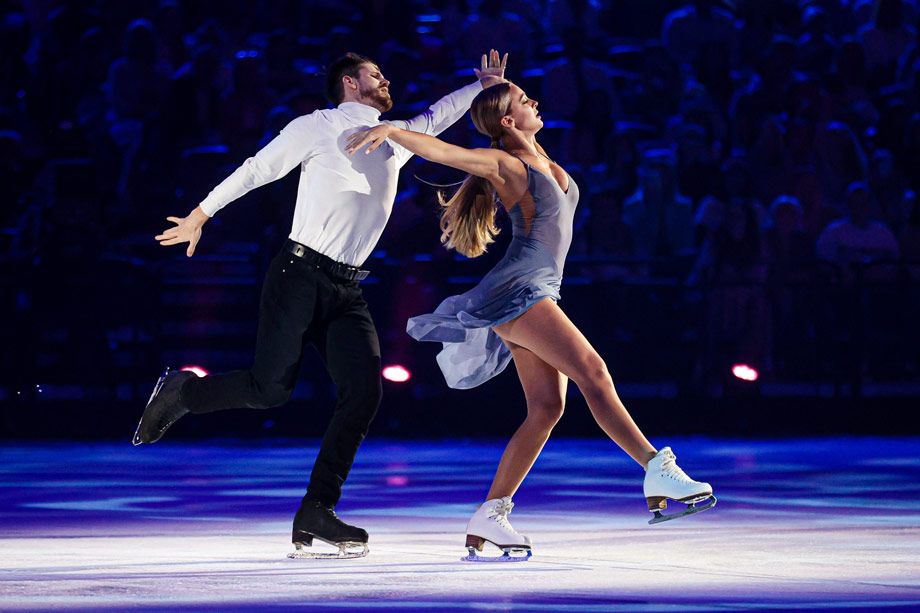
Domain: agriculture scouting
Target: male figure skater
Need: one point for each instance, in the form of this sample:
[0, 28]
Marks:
[311, 292]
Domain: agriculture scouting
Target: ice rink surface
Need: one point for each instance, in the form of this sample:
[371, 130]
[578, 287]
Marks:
[800, 524]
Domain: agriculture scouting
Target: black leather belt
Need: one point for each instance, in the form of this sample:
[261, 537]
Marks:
[336, 269]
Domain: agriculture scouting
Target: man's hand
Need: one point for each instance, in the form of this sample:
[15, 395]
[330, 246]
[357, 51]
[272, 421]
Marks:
[186, 230]
[374, 137]
[492, 71]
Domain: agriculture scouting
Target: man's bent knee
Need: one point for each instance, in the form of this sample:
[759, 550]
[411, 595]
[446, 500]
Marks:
[269, 397]
[362, 392]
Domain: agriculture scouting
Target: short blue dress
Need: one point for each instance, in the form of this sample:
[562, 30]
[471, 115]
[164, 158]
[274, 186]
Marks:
[530, 270]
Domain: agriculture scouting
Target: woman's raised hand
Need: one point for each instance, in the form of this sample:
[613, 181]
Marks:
[492, 70]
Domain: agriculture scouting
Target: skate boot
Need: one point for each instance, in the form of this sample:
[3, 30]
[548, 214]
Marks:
[163, 409]
[490, 524]
[664, 479]
[315, 520]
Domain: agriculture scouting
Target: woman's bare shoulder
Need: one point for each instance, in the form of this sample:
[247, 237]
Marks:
[513, 179]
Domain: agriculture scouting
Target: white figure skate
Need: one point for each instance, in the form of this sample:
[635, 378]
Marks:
[665, 480]
[490, 524]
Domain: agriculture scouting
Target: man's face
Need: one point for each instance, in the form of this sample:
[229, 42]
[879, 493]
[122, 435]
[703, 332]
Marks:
[373, 88]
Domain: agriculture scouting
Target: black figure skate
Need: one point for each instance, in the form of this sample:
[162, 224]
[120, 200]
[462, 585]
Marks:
[314, 520]
[163, 409]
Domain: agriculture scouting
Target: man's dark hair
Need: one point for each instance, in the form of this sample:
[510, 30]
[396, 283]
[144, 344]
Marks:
[348, 64]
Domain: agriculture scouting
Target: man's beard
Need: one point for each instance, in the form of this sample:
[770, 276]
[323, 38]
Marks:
[378, 98]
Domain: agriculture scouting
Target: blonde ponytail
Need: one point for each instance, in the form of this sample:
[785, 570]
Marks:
[468, 217]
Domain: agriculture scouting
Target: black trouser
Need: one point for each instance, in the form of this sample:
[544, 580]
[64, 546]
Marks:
[302, 304]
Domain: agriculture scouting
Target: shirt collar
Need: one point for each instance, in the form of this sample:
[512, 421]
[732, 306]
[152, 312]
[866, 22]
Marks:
[360, 111]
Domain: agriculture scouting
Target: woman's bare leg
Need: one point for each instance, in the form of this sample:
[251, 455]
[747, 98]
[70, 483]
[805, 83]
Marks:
[549, 334]
[544, 389]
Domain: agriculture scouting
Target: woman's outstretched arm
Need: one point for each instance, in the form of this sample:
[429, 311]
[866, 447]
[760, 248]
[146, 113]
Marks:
[485, 163]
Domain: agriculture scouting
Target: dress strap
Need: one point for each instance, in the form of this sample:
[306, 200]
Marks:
[526, 168]
[526, 165]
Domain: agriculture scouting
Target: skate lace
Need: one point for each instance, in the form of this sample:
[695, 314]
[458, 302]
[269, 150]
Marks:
[331, 513]
[500, 514]
[670, 469]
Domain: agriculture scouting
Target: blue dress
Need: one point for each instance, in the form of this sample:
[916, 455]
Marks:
[530, 270]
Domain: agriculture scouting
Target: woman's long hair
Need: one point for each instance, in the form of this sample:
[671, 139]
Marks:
[468, 217]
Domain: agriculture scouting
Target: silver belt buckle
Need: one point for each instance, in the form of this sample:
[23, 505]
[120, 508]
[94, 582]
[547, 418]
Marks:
[299, 250]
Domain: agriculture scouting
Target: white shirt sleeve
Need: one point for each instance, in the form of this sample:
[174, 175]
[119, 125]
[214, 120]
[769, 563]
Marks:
[439, 116]
[294, 144]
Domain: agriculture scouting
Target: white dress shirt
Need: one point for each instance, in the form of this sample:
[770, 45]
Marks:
[343, 202]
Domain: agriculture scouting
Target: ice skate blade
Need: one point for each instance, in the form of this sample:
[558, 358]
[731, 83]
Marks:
[690, 510]
[156, 389]
[347, 550]
[509, 554]
[137, 436]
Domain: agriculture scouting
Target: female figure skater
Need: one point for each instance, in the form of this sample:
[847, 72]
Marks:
[512, 312]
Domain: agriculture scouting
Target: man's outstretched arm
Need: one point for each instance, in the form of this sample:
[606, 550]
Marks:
[287, 150]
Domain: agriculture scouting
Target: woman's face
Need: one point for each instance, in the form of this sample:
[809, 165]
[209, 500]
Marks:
[524, 111]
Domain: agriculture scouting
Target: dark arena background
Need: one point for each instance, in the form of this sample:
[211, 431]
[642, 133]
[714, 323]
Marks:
[746, 258]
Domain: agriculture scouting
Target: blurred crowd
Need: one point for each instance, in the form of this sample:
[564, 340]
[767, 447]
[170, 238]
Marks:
[730, 133]
[718, 144]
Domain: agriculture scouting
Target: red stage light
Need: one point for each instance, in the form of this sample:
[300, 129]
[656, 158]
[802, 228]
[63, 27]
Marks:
[396, 373]
[198, 370]
[745, 372]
